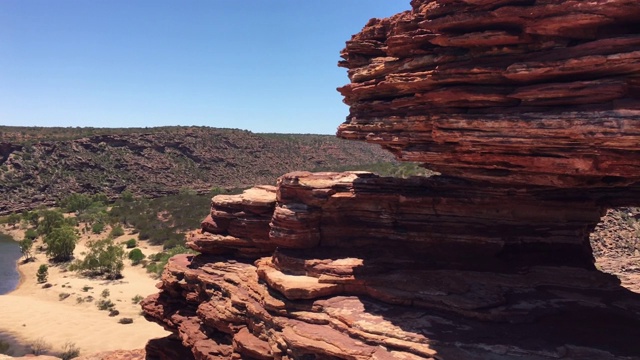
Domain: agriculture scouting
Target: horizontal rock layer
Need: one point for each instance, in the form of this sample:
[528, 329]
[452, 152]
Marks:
[238, 224]
[367, 267]
[510, 91]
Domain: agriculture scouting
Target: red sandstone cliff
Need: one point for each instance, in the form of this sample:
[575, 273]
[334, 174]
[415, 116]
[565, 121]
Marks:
[528, 108]
[528, 92]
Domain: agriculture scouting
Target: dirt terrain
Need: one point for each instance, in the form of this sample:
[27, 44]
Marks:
[616, 245]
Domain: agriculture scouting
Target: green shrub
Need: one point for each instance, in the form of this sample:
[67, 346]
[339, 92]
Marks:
[30, 234]
[136, 256]
[13, 219]
[43, 273]
[131, 243]
[136, 299]
[76, 202]
[97, 228]
[39, 347]
[32, 217]
[117, 231]
[162, 258]
[126, 196]
[71, 221]
[154, 268]
[173, 241]
[96, 213]
[144, 234]
[105, 293]
[100, 198]
[125, 321]
[105, 304]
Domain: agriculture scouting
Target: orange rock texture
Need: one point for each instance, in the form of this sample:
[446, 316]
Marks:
[528, 108]
[513, 91]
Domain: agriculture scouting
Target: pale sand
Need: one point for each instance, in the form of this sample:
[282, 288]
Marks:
[31, 313]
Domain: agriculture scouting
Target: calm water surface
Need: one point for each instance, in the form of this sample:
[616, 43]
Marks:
[9, 254]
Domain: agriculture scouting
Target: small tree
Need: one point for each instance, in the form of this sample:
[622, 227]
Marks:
[51, 219]
[43, 273]
[136, 256]
[61, 242]
[26, 246]
[104, 257]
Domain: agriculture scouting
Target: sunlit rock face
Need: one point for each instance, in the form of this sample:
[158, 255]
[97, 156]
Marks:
[516, 92]
[528, 109]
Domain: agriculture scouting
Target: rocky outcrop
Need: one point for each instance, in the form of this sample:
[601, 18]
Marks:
[529, 110]
[518, 92]
[369, 267]
[238, 224]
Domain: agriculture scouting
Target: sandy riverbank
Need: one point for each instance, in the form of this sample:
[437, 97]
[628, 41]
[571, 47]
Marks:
[32, 313]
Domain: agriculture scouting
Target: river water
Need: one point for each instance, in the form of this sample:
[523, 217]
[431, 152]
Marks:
[9, 254]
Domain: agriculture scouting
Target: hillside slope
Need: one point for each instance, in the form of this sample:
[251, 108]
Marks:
[39, 166]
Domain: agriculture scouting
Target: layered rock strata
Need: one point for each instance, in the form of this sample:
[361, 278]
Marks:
[369, 267]
[512, 91]
[529, 110]
[238, 224]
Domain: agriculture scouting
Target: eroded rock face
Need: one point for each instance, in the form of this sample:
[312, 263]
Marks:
[401, 269]
[529, 110]
[518, 92]
[238, 224]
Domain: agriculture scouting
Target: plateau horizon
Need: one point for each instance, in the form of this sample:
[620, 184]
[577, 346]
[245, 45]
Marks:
[269, 67]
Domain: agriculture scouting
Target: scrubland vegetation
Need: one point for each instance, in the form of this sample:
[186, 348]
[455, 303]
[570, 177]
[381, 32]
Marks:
[160, 221]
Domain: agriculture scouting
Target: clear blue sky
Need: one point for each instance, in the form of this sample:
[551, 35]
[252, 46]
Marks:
[262, 65]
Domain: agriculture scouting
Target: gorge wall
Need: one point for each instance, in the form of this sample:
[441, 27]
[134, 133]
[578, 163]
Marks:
[529, 109]
[55, 162]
